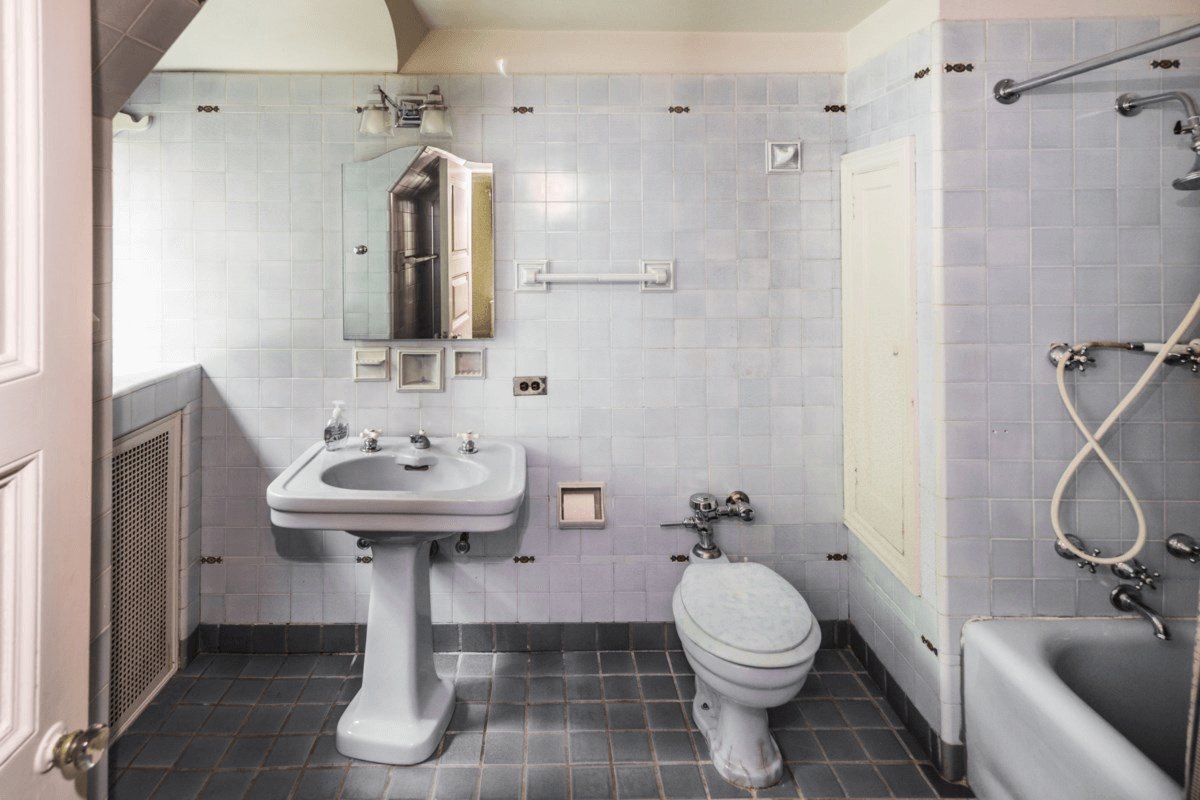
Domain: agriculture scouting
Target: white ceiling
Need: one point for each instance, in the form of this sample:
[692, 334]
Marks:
[736, 16]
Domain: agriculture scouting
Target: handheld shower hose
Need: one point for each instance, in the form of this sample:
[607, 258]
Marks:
[1092, 445]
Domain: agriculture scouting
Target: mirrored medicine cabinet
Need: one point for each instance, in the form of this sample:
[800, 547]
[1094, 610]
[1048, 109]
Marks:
[417, 247]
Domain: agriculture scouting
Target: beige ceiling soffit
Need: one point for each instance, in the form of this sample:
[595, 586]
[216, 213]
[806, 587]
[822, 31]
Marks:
[1064, 9]
[410, 28]
[287, 36]
[609, 52]
[892, 22]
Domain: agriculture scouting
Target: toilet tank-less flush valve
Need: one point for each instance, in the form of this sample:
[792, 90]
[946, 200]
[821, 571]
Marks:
[706, 508]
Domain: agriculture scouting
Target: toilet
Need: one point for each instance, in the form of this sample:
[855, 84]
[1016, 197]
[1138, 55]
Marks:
[751, 639]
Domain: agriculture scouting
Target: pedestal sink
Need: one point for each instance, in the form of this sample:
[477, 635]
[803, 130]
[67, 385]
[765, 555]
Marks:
[399, 498]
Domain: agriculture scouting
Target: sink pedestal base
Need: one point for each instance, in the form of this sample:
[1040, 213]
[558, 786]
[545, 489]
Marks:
[403, 707]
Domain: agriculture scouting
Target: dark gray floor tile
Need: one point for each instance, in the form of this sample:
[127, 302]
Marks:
[325, 754]
[246, 752]
[456, 783]
[620, 687]
[122, 751]
[226, 719]
[512, 664]
[679, 662]
[665, 716]
[261, 667]
[136, 784]
[504, 747]
[862, 714]
[273, 785]
[630, 746]
[830, 661]
[636, 783]
[905, 780]
[469, 717]
[625, 716]
[508, 690]
[785, 788]
[718, 786]
[586, 717]
[297, 666]
[672, 746]
[583, 687]
[282, 691]
[588, 747]
[150, 718]
[882, 745]
[822, 714]
[545, 664]
[616, 662]
[685, 686]
[583, 662]
[814, 686]
[244, 692]
[472, 688]
[545, 783]
[799, 745]
[185, 719]
[319, 783]
[658, 687]
[206, 691]
[549, 717]
[364, 783]
[306, 719]
[461, 748]
[161, 751]
[785, 716]
[339, 665]
[546, 690]
[350, 688]
[860, 780]
[445, 665]
[225, 665]
[652, 662]
[203, 752]
[500, 783]
[225, 786]
[843, 684]
[290, 751]
[841, 745]
[506, 717]
[591, 783]
[816, 781]
[180, 786]
[410, 783]
[546, 748]
[475, 664]
[681, 781]
[266, 720]
[701, 745]
[321, 691]
[197, 665]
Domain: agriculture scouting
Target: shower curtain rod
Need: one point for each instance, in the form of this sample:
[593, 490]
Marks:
[1009, 91]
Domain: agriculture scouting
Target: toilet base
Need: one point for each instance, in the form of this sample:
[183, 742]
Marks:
[742, 748]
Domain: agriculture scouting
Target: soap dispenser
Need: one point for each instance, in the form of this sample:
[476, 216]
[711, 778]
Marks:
[336, 429]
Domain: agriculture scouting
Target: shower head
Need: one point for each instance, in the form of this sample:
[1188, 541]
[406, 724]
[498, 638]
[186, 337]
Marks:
[1191, 181]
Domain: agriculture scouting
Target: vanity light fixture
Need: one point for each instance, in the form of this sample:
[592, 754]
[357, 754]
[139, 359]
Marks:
[427, 112]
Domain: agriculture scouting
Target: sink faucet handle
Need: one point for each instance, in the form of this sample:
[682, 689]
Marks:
[468, 442]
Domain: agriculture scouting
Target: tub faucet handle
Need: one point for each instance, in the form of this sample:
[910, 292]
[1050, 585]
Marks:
[1067, 554]
[1181, 545]
[1134, 570]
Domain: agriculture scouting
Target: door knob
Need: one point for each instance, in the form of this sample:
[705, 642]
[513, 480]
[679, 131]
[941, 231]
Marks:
[75, 752]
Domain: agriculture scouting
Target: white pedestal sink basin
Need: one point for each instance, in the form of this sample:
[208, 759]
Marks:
[400, 498]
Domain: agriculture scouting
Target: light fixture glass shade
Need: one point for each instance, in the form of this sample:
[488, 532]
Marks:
[435, 123]
[376, 121]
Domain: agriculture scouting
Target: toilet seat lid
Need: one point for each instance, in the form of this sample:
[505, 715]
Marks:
[746, 607]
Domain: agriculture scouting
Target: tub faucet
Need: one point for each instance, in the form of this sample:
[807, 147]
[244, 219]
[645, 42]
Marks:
[1126, 598]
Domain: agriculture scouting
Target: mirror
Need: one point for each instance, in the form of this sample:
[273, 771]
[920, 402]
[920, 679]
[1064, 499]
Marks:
[417, 243]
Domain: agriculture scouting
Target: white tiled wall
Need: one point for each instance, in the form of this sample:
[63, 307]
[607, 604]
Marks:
[228, 253]
[1053, 220]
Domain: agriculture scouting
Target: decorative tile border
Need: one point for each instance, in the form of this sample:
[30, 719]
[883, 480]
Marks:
[481, 638]
[950, 759]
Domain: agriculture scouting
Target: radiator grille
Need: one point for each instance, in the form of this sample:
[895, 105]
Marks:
[145, 531]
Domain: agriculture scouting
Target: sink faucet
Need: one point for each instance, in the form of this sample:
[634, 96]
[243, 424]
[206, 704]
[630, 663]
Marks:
[1126, 598]
[419, 440]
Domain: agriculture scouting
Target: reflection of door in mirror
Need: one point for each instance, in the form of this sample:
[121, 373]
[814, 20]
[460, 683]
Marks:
[456, 246]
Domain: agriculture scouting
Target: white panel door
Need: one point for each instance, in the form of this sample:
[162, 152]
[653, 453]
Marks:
[45, 385]
[878, 350]
[456, 246]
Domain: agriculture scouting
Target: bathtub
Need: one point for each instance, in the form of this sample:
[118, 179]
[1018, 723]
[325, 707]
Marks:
[1076, 709]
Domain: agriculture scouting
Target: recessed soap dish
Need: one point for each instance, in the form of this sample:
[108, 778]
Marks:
[581, 505]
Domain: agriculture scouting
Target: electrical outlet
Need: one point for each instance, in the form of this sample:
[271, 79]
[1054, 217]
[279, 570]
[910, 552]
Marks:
[527, 385]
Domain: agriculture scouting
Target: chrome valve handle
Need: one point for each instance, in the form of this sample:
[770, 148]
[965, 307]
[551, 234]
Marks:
[1134, 570]
[1181, 545]
[1067, 554]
